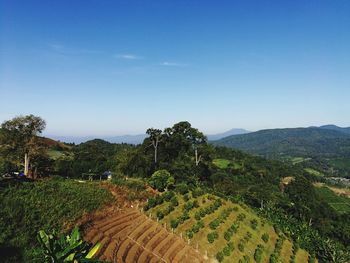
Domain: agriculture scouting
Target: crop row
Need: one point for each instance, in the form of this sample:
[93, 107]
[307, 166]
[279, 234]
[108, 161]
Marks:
[277, 251]
[226, 252]
[159, 199]
[188, 206]
[202, 212]
[221, 218]
[195, 229]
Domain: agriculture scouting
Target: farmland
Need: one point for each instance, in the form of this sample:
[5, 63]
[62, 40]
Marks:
[340, 203]
[222, 230]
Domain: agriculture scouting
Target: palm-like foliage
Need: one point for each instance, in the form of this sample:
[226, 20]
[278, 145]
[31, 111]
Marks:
[69, 248]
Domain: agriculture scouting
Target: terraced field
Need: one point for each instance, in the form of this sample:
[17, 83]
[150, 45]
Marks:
[223, 231]
[130, 236]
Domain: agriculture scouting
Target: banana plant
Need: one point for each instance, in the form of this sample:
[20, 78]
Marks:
[66, 249]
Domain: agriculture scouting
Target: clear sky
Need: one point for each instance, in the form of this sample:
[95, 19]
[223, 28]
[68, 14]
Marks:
[117, 67]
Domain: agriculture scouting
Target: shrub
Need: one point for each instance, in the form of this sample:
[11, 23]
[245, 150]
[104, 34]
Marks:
[220, 256]
[212, 236]
[227, 235]
[159, 214]
[258, 253]
[227, 251]
[265, 237]
[214, 224]
[167, 196]
[241, 217]
[197, 215]
[230, 246]
[174, 202]
[254, 224]
[189, 234]
[174, 223]
[241, 246]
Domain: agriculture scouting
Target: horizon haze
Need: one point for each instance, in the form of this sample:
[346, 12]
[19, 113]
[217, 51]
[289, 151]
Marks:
[120, 67]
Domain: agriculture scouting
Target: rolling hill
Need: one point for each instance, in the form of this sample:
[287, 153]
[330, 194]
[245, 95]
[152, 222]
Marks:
[328, 145]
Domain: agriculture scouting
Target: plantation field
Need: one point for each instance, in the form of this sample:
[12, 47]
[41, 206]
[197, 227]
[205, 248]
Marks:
[338, 202]
[221, 229]
[27, 207]
[224, 164]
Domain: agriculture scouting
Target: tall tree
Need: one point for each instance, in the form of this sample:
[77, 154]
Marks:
[20, 137]
[198, 141]
[155, 137]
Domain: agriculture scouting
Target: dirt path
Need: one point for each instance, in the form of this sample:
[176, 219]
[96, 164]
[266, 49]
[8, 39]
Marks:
[127, 235]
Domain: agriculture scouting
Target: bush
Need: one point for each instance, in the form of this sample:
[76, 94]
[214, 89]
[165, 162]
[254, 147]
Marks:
[174, 223]
[189, 234]
[265, 237]
[230, 246]
[161, 180]
[254, 224]
[174, 202]
[159, 214]
[227, 251]
[241, 217]
[167, 196]
[258, 253]
[212, 236]
[241, 246]
[220, 256]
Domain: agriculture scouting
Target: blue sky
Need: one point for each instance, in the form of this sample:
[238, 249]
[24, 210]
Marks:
[119, 67]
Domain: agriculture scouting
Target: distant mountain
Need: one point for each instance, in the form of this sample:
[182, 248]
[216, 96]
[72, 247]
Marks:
[336, 128]
[135, 139]
[276, 143]
[131, 139]
[218, 136]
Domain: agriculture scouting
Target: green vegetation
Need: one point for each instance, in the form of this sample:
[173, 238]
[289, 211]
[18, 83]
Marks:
[313, 171]
[161, 180]
[217, 231]
[69, 248]
[224, 164]
[339, 203]
[28, 207]
[326, 150]
[209, 179]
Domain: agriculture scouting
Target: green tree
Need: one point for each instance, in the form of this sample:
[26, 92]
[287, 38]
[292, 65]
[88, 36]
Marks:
[161, 180]
[19, 138]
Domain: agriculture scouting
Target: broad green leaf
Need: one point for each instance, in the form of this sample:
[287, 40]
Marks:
[94, 250]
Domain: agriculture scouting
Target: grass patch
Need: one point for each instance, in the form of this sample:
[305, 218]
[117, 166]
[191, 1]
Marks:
[27, 207]
[224, 164]
[313, 172]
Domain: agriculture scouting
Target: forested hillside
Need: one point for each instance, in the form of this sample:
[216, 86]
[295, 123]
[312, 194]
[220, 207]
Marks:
[326, 149]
